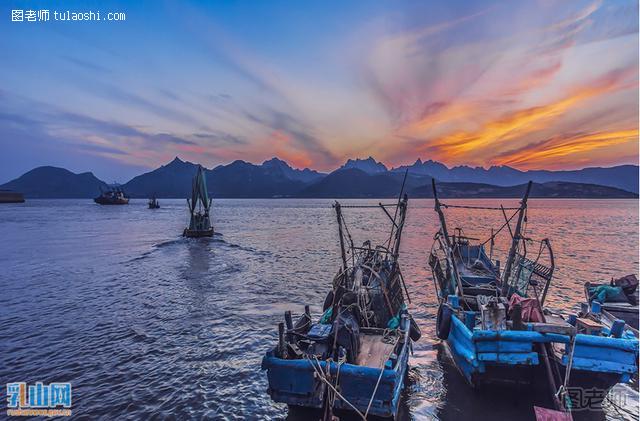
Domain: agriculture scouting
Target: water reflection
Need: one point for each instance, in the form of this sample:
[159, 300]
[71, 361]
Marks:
[147, 324]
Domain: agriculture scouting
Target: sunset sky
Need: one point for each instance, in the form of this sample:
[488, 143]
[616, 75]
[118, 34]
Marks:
[530, 84]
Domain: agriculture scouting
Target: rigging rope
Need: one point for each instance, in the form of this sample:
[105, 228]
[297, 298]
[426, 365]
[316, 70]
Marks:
[368, 206]
[444, 205]
[493, 236]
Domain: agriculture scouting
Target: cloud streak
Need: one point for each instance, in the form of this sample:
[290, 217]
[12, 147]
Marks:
[551, 151]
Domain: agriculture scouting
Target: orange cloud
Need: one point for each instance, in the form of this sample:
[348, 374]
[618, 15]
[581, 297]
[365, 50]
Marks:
[281, 144]
[459, 145]
[442, 113]
[546, 153]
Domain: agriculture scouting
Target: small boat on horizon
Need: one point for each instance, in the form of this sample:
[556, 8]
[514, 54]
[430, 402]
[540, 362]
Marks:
[199, 207]
[355, 356]
[153, 203]
[10, 196]
[114, 196]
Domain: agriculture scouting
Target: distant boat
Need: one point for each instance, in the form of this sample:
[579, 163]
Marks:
[114, 196]
[153, 203]
[8, 196]
[199, 207]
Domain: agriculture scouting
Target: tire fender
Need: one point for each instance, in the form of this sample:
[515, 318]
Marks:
[443, 321]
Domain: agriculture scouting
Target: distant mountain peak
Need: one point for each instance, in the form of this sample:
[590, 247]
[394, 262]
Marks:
[239, 162]
[276, 162]
[177, 163]
[368, 165]
[283, 168]
[56, 182]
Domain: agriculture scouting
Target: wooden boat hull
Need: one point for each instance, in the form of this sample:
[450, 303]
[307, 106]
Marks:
[103, 201]
[484, 358]
[294, 382]
[197, 233]
[601, 361]
[508, 357]
[630, 316]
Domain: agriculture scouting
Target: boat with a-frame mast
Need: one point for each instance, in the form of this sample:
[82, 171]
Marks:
[199, 207]
[355, 356]
[497, 328]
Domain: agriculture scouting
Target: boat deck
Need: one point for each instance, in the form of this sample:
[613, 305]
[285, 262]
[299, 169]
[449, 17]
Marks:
[373, 351]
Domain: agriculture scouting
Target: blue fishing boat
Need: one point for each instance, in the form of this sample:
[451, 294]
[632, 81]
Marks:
[355, 356]
[495, 325]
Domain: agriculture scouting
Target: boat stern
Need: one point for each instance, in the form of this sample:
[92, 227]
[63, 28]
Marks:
[298, 383]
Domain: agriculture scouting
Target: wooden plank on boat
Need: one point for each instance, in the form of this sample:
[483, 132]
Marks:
[589, 323]
[373, 352]
[556, 320]
[591, 327]
[562, 329]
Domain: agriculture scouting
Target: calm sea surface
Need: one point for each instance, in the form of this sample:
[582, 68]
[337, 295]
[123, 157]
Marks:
[145, 323]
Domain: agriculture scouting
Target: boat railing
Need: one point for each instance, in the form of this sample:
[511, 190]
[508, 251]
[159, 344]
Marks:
[531, 275]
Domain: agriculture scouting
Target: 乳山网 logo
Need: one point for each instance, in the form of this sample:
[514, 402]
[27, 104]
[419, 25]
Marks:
[49, 400]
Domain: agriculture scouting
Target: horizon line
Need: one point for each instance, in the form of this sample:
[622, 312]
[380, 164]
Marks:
[151, 169]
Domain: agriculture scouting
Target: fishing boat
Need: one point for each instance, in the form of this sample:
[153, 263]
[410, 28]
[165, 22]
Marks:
[199, 207]
[113, 196]
[355, 356]
[153, 203]
[8, 196]
[495, 325]
[618, 299]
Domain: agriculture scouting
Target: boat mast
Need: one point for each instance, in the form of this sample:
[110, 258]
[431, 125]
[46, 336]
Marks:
[402, 206]
[445, 234]
[342, 250]
[515, 240]
[443, 223]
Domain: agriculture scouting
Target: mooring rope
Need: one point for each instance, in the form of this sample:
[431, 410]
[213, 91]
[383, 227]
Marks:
[321, 376]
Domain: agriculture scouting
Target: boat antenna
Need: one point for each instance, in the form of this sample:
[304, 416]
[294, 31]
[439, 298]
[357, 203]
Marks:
[516, 239]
